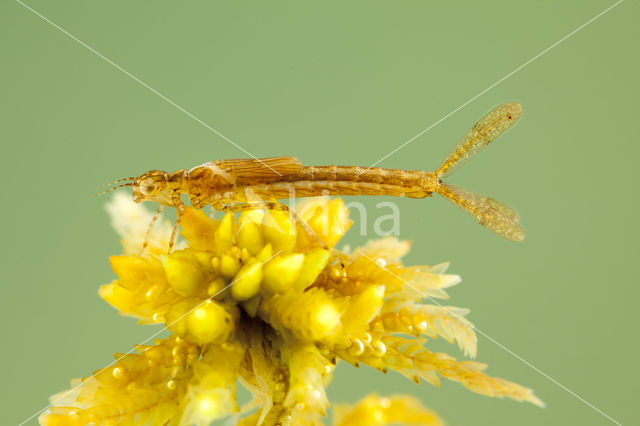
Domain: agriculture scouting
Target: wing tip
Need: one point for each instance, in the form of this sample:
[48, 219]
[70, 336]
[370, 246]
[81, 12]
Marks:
[518, 236]
[514, 109]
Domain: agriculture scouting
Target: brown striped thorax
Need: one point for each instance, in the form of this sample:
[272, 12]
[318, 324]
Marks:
[224, 182]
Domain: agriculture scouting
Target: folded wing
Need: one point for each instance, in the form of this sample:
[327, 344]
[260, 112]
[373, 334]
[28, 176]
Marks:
[260, 168]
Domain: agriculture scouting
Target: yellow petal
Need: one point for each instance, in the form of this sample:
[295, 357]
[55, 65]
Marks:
[208, 322]
[328, 218]
[176, 316]
[229, 265]
[184, 273]
[314, 262]
[363, 308]
[375, 410]
[281, 272]
[132, 270]
[198, 229]
[224, 233]
[324, 319]
[280, 230]
[246, 284]
[249, 234]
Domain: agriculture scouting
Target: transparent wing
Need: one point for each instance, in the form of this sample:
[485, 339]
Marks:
[493, 215]
[481, 134]
[273, 167]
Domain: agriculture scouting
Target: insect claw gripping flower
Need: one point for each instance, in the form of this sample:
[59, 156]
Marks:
[253, 299]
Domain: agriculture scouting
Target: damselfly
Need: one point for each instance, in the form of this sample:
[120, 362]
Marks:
[225, 183]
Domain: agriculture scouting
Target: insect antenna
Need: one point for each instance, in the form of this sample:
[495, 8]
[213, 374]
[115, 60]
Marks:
[116, 181]
[111, 189]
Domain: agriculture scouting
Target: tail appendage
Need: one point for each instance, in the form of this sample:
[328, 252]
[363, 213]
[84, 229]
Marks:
[491, 214]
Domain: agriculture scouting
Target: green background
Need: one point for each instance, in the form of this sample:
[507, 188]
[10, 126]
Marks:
[337, 82]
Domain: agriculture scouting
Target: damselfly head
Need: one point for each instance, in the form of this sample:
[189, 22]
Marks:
[152, 186]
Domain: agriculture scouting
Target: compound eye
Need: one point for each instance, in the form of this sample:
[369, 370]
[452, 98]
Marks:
[148, 187]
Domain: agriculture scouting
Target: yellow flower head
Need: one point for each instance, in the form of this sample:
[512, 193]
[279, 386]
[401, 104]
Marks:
[256, 298]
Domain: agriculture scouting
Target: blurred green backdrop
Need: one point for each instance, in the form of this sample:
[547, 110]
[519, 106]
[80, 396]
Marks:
[337, 83]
